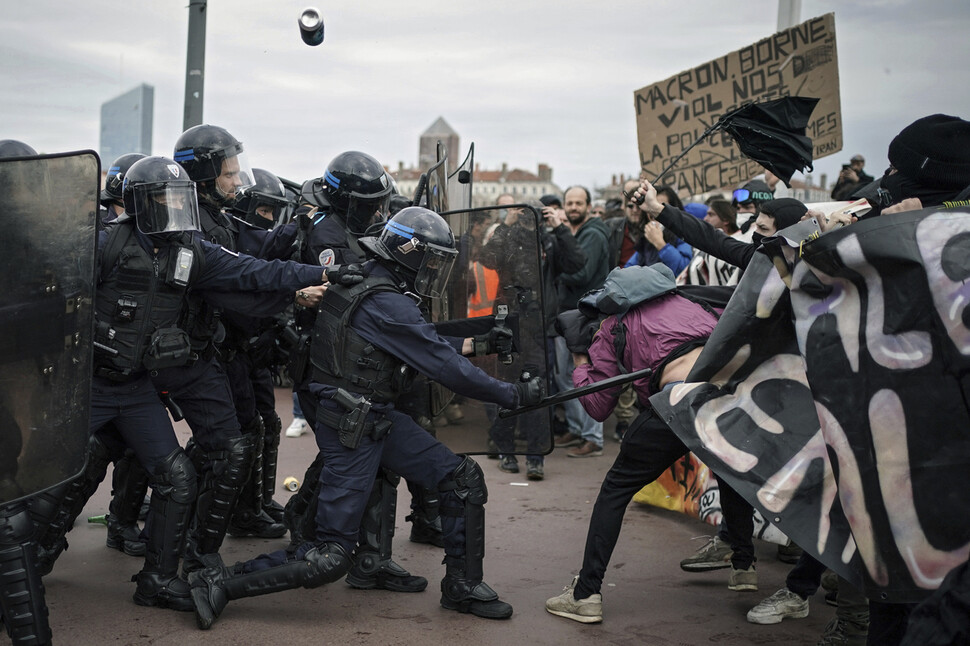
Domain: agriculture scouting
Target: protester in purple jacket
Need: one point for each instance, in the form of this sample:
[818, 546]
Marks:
[651, 326]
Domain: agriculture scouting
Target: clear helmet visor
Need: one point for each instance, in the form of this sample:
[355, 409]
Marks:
[235, 175]
[366, 210]
[435, 270]
[165, 208]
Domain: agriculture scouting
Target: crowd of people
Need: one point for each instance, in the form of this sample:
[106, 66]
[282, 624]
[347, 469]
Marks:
[210, 274]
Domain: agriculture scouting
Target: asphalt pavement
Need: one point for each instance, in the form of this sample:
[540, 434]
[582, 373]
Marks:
[534, 545]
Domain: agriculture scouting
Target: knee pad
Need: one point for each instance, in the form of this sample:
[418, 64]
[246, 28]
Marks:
[175, 478]
[327, 563]
[273, 426]
[467, 482]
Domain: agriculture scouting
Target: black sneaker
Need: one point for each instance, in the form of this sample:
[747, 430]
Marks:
[533, 470]
[509, 464]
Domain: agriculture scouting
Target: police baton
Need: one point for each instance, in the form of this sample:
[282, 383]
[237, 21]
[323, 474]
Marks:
[566, 395]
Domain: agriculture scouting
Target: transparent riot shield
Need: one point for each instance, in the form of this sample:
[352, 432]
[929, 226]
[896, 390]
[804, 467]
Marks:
[460, 182]
[48, 206]
[497, 280]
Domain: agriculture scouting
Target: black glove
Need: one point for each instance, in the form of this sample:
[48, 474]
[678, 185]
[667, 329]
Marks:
[263, 348]
[531, 391]
[498, 340]
[345, 274]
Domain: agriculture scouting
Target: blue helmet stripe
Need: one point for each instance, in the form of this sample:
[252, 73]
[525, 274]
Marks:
[399, 229]
[184, 155]
[332, 179]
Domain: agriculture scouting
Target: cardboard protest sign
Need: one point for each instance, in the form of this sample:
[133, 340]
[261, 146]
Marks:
[671, 114]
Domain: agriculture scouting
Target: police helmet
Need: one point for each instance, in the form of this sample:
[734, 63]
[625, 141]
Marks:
[14, 148]
[355, 187]
[419, 244]
[116, 177]
[159, 195]
[266, 197]
[216, 162]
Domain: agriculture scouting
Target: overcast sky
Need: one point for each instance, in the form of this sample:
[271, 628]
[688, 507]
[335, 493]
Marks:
[526, 81]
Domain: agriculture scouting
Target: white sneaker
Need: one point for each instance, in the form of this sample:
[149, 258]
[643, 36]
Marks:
[297, 428]
[586, 611]
[783, 604]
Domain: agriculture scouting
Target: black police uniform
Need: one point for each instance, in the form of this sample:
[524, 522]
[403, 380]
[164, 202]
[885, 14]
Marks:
[384, 336]
[138, 305]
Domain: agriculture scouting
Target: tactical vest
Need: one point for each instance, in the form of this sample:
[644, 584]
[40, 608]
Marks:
[201, 320]
[342, 358]
[139, 301]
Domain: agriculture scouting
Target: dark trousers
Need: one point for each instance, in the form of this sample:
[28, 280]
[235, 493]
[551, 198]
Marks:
[138, 420]
[202, 392]
[348, 477]
[648, 449]
[806, 576]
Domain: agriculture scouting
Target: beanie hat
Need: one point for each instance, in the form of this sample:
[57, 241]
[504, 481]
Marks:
[696, 209]
[934, 151]
[786, 211]
[754, 191]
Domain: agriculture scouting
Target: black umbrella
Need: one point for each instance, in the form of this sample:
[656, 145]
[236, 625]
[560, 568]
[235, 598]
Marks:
[771, 133]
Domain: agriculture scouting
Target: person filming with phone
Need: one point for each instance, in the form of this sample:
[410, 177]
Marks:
[851, 179]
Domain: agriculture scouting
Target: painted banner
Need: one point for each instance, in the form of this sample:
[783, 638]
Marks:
[834, 394]
[690, 488]
[671, 114]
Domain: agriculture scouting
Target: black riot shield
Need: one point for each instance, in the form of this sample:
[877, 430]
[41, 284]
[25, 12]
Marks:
[499, 283]
[48, 205]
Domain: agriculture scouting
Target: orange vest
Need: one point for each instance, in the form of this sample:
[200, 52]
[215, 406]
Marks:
[486, 287]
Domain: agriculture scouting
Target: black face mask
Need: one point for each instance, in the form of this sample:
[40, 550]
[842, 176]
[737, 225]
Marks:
[901, 187]
[756, 238]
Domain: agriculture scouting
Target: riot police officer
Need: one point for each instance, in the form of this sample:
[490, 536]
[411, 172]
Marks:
[368, 342]
[111, 202]
[228, 433]
[351, 196]
[23, 609]
[149, 259]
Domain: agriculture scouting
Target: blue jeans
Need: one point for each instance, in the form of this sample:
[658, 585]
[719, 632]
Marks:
[578, 420]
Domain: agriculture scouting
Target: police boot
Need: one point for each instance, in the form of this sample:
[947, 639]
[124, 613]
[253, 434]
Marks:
[129, 485]
[214, 588]
[55, 511]
[301, 507]
[466, 595]
[248, 518]
[425, 517]
[23, 610]
[169, 515]
[271, 449]
[224, 473]
[374, 568]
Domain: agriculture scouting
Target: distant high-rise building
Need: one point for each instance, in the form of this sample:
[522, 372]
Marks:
[126, 124]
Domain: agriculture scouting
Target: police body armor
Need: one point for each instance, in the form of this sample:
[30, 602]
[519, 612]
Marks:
[139, 303]
[342, 358]
[202, 320]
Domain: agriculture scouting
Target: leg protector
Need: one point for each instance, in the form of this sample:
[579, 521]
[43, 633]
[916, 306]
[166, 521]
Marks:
[273, 427]
[169, 514]
[374, 568]
[300, 512]
[463, 515]
[463, 520]
[425, 516]
[22, 605]
[129, 484]
[214, 588]
[60, 514]
[248, 518]
[224, 473]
